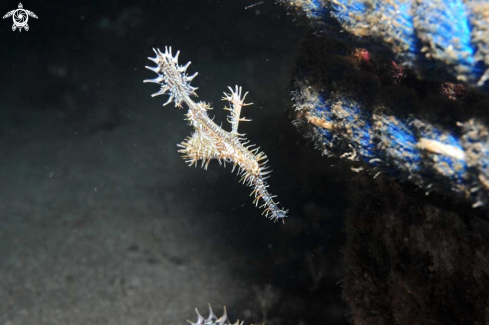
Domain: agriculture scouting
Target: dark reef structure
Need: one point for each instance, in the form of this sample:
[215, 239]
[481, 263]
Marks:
[408, 261]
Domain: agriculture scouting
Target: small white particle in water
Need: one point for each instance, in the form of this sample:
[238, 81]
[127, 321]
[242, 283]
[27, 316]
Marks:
[51, 174]
[168, 196]
[257, 12]
[95, 189]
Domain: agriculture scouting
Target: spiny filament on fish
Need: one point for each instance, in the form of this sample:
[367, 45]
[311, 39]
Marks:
[212, 319]
[209, 141]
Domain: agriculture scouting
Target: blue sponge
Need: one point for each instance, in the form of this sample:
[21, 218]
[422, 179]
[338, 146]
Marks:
[445, 40]
[360, 109]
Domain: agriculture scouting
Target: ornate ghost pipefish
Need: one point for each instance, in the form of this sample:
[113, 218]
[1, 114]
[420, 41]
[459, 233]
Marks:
[209, 141]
